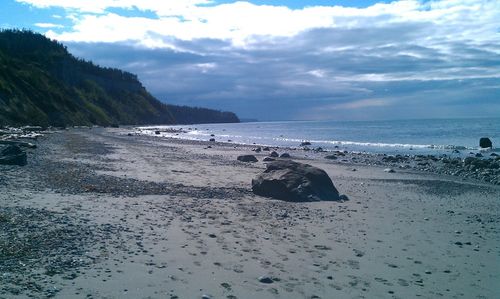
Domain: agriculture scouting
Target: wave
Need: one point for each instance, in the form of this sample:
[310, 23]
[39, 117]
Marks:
[378, 144]
[191, 134]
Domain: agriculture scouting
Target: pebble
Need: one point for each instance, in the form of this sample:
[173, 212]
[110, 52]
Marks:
[265, 279]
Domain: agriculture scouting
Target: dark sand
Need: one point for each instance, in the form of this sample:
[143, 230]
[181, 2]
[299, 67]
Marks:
[97, 214]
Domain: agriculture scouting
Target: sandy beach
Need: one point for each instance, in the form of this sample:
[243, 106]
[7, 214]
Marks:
[100, 214]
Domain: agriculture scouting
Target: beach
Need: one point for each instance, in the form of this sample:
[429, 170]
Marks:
[97, 213]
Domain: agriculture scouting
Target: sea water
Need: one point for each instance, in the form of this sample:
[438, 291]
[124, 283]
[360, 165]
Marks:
[431, 136]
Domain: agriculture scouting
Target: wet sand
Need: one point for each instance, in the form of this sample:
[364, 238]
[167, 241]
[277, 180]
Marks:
[99, 214]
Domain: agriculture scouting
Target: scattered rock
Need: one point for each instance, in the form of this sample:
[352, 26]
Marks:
[157, 132]
[485, 142]
[247, 158]
[268, 159]
[212, 140]
[285, 155]
[389, 170]
[13, 155]
[296, 182]
[305, 143]
[266, 149]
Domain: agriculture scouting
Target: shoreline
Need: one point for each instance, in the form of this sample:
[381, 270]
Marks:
[483, 168]
[104, 215]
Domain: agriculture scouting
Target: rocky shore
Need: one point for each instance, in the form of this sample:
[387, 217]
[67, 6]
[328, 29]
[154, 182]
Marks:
[485, 168]
[101, 213]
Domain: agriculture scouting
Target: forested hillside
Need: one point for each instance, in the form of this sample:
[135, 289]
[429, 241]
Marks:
[41, 83]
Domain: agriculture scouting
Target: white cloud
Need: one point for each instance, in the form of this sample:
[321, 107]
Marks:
[359, 104]
[241, 21]
[48, 25]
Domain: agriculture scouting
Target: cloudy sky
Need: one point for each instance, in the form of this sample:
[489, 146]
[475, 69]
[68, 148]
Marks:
[290, 60]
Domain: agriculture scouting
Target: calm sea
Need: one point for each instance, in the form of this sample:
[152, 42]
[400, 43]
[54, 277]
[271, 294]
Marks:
[436, 136]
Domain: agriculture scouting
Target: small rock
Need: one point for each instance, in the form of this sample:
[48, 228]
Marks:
[343, 197]
[389, 170]
[274, 154]
[265, 279]
[247, 158]
[285, 155]
[331, 157]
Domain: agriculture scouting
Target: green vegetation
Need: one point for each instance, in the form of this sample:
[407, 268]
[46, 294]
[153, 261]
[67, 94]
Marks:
[41, 83]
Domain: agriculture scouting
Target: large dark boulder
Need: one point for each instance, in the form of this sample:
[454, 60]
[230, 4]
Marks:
[485, 142]
[296, 182]
[13, 155]
[274, 154]
[247, 158]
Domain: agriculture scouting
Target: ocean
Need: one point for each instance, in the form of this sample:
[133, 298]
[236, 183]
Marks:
[431, 136]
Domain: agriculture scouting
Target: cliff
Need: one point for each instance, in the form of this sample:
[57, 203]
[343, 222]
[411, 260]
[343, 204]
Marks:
[41, 83]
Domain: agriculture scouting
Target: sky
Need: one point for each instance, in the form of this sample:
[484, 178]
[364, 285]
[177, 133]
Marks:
[290, 60]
